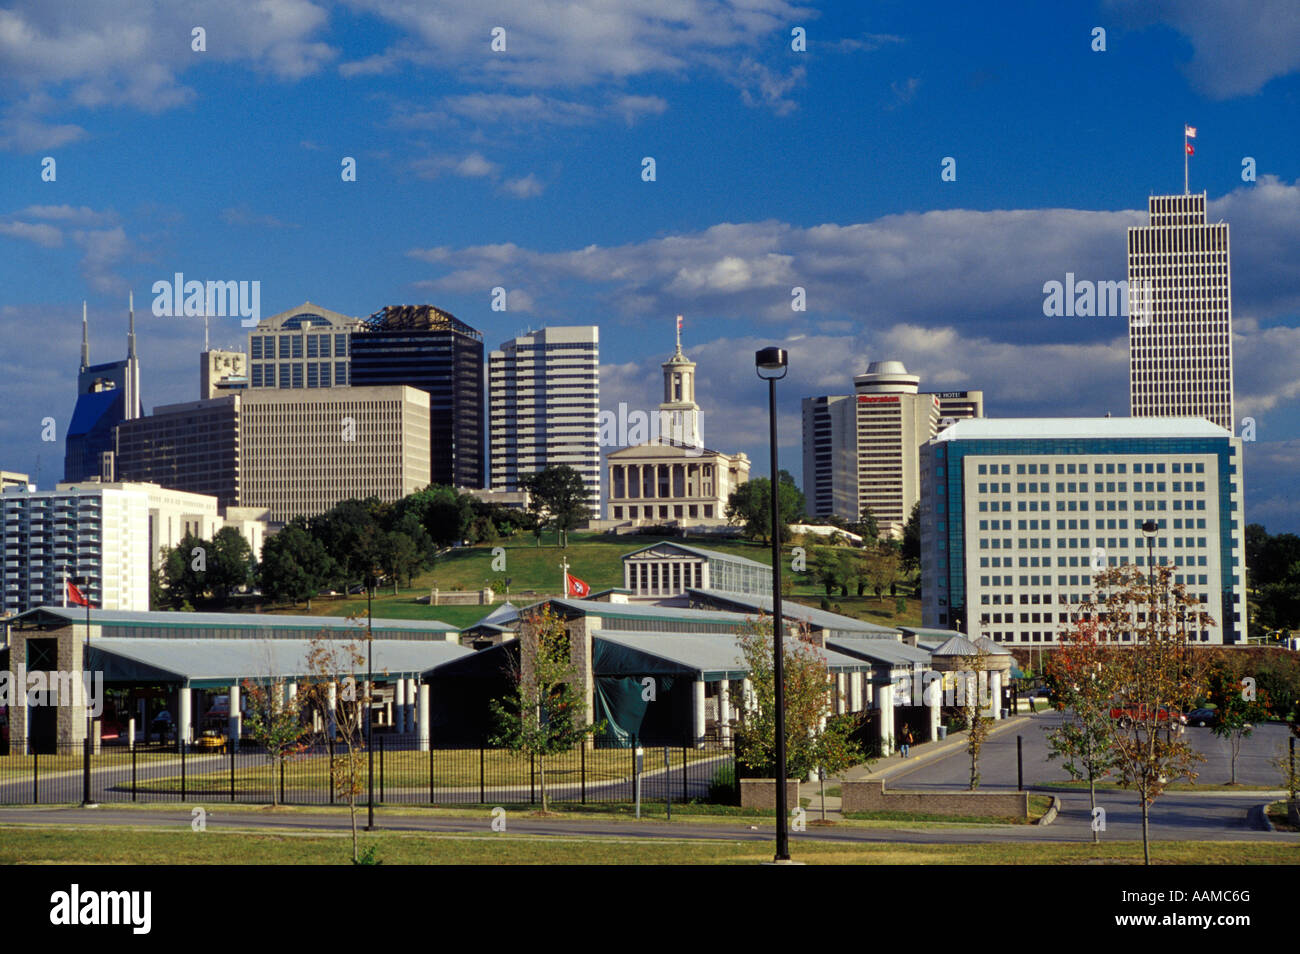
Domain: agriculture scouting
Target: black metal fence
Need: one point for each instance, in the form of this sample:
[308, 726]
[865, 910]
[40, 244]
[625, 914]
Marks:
[405, 770]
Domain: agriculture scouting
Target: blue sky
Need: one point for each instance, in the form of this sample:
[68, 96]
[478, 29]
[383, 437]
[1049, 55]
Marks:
[774, 168]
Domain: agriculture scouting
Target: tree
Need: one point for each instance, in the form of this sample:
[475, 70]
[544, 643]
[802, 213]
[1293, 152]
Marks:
[183, 571]
[750, 506]
[812, 738]
[558, 498]
[880, 568]
[546, 712]
[274, 720]
[912, 540]
[1081, 688]
[1237, 708]
[294, 566]
[334, 665]
[397, 556]
[828, 568]
[350, 532]
[1154, 674]
[230, 563]
[978, 723]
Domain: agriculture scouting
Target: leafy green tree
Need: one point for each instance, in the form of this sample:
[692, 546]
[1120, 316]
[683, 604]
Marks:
[750, 506]
[295, 566]
[912, 540]
[809, 743]
[230, 563]
[879, 569]
[350, 532]
[558, 499]
[184, 571]
[397, 556]
[545, 714]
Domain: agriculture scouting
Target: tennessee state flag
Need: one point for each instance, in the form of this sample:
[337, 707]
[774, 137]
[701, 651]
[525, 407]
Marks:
[75, 597]
[577, 587]
[1190, 150]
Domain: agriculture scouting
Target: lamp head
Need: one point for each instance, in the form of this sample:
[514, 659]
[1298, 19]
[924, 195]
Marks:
[771, 363]
[1149, 528]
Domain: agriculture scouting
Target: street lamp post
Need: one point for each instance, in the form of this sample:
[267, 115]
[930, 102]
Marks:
[84, 583]
[370, 709]
[1149, 529]
[771, 364]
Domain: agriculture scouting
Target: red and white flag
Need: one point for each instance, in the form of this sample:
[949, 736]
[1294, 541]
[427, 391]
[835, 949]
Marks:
[679, 322]
[1190, 150]
[1189, 131]
[576, 586]
[75, 596]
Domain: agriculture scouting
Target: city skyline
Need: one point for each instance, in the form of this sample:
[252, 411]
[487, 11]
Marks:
[776, 170]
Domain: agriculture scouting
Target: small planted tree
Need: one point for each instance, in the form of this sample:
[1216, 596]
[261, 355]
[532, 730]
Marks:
[1081, 688]
[274, 720]
[546, 712]
[1154, 673]
[1238, 712]
[334, 665]
[812, 738]
[979, 724]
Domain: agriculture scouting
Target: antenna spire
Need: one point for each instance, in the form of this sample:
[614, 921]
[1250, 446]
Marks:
[130, 333]
[85, 339]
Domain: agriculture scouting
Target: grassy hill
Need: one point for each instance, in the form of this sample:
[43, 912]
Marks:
[535, 572]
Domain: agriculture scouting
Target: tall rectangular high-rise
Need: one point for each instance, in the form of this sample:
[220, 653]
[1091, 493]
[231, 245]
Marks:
[427, 348]
[544, 406]
[1180, 339]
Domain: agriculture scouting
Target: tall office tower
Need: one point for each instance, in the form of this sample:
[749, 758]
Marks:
[1016, 514]
[959, 406]
[860, 450]
[222, 371]
[544, 406]
[302, 452]
[192, 446]
[85, 530]
[425, 347]
[1180, 313]
[290, 452]
[304, 347]
[107, 395]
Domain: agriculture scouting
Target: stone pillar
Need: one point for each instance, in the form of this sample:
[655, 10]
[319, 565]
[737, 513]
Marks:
[422, 718]
[933, 700]
[697, 710]
[412, 687]
[184, 705]
[885, 703]
[399, 706]
[627, 575]
[855, 692]
[724, 711]
[995, 693]
[234, 725]
[840, 700]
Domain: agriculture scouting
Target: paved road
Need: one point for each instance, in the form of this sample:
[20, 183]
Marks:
[1176, 814]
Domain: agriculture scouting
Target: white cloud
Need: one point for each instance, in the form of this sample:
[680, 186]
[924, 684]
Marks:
[1236, 48]
[524, 187]
[44, 235]
[244, 215]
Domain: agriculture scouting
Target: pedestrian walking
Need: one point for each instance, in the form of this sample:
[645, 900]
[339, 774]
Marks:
[907, 740]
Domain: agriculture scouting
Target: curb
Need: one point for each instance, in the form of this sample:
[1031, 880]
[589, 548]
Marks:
[1053, 810]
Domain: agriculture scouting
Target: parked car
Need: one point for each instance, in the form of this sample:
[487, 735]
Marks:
[1127, 715]
[1205, 717]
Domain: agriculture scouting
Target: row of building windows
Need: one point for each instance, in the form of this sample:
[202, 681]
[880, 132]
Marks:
[292, 346]
[313, 374]
[1158, 467]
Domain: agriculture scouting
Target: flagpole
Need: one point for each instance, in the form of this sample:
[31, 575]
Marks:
[1186, 191]
[564, 581]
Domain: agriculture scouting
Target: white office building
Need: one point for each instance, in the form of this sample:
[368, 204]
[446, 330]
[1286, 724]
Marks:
[1180, 329]
[304, 347]
[1016, 513]
[544, 407]
[85, 531]
[860, 450]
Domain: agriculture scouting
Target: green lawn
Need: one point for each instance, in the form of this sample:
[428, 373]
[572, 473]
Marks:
[452, 768]
[91, 845]
[535, 573]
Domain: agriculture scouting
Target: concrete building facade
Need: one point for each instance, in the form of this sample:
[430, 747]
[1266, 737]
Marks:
[1015, 514]
[304, 347]
[1180, 330]
[544, 407]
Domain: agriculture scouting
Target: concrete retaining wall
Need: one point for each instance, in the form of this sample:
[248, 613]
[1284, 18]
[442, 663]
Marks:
[871, 796]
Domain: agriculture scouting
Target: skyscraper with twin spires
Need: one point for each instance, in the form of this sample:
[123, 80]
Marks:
[107, 395]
